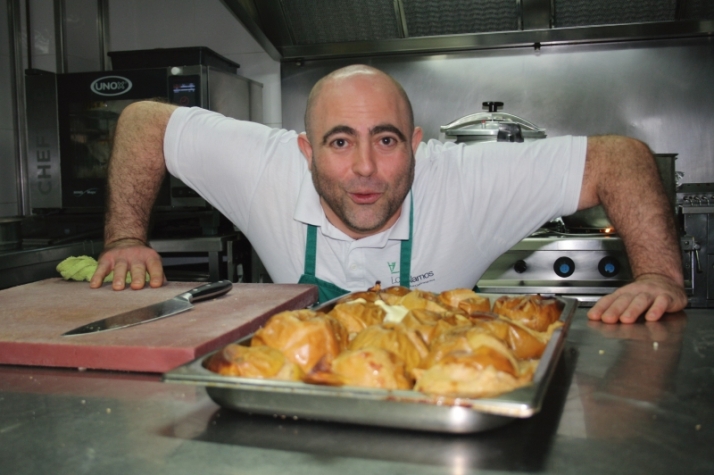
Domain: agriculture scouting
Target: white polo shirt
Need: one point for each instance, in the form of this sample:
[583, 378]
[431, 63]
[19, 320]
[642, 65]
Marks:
[471, 203]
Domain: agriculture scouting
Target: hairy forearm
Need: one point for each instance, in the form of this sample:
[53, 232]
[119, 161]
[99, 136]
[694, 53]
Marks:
[622, 175]
[136, 170]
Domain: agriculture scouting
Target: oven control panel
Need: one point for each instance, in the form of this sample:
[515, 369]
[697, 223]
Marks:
[560, 266]
[589, 265]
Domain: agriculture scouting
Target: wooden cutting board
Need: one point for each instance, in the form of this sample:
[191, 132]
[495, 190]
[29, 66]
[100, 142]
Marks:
[33, 318]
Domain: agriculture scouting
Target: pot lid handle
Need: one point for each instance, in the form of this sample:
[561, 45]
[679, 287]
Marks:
[492, 105]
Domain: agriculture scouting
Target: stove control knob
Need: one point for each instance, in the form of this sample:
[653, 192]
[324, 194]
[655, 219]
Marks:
[520, 266]
[608, 266]
[564, 266]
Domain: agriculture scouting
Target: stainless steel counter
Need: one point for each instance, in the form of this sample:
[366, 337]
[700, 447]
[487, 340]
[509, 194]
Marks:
[625, 399]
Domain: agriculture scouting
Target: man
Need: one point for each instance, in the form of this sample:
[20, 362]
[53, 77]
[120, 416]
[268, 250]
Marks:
[362, 208]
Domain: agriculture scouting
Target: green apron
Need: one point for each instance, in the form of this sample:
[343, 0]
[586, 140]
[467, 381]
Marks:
[328, 290]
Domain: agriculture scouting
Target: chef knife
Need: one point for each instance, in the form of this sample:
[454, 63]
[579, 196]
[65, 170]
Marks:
[178, 304]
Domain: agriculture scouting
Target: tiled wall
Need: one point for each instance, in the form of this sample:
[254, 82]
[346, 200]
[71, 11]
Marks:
[142, 24]
[134, 24]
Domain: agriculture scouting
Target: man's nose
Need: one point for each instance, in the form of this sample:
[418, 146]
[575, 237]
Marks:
[364, 163]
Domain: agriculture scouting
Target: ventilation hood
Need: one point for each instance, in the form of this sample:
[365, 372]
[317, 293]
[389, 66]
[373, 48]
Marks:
[295, 30]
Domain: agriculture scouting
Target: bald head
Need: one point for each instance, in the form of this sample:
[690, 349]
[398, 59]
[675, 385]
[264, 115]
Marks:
[343, 76]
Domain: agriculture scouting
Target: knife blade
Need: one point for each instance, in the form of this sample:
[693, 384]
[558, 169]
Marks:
[167, 308]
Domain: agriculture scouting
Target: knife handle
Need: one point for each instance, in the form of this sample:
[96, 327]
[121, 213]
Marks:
[207, 291]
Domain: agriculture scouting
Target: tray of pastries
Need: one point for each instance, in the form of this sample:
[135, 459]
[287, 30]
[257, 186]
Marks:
[456, 361]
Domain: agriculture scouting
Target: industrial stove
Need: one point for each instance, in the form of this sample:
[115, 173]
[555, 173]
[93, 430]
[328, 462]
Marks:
[582, 265]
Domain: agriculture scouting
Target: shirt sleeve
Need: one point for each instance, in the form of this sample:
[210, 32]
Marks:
[221, 158]
[508, 190]
[526, 185]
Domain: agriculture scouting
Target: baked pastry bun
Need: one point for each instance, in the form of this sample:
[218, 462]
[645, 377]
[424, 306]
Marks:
[473, 375]
[533, 311]
[466, 300]
[391, 295]
[418, 300]
[403, 342]
[522, 341]
[471, 340]
[253, 362]
[357, 315]
[304, 337]
[366, 367]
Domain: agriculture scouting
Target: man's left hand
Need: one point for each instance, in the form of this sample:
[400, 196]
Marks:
[650, 294]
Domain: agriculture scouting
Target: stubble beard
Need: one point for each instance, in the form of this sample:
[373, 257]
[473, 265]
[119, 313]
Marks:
[363, 218]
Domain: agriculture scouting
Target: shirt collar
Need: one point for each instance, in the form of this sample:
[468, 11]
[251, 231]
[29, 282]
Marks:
[309, 210]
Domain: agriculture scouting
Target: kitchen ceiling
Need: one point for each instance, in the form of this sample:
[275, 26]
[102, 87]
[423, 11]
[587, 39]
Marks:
[294, 30]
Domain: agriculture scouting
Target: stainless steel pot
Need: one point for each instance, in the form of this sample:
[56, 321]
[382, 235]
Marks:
[492, 126]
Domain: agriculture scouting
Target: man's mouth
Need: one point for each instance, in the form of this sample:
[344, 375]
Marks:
[365, 198]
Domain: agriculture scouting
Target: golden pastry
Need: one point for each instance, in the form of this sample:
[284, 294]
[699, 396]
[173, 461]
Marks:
[253, 362]
[303, 337]
[356, 316]
[473, 375]
[534, 311]
[405, 343]
[466, 300]
[366, 367]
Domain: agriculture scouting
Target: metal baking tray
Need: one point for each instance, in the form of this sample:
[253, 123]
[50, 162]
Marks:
[379, 407]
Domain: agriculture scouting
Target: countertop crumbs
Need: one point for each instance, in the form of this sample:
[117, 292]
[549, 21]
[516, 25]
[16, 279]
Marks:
[698, 427]
[602, 352]
[109, 411]
[84, 402]
[655, 345]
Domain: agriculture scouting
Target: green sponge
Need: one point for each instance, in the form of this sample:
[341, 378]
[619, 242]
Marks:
[83, 267]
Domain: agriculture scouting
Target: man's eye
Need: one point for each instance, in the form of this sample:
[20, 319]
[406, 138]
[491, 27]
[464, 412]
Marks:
[339, 143]
[387, 141]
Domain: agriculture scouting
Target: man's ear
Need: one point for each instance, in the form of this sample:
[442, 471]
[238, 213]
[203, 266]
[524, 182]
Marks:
[305, 148]
[416, 138]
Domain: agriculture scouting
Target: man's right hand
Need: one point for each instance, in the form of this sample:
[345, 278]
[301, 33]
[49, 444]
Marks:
[136, 169]
[129, 255]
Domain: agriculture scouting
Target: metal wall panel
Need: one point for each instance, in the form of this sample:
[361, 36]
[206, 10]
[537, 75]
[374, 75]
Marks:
[658, 91]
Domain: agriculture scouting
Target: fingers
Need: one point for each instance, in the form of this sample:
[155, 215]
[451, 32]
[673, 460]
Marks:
[138, 275]
[625, 307]
[156, 272]
[658, 308]
[600, 306]
[129, 260]
[119, 281]
[651, 296]
[103, 269]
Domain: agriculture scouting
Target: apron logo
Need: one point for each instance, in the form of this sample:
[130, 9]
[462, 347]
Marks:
[393, 267]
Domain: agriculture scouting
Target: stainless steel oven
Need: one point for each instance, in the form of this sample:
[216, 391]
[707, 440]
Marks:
[71, 119]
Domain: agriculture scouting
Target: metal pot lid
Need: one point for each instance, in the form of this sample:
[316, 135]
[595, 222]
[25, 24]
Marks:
[486, 124]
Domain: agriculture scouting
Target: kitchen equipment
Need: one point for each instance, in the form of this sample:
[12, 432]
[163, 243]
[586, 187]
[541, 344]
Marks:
[696, 206]
[580, 265]
[492, 126]
[71, 119]
[402, 409]
[178, 304]
[34, 317]
[10, 233]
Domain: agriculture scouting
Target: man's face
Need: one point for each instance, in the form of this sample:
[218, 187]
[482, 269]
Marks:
[361, 153]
